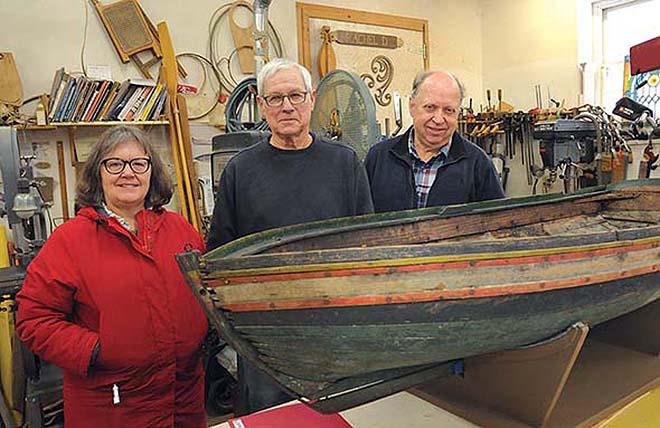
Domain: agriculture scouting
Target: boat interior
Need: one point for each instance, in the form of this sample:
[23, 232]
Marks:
[526, 223]
[579, 214]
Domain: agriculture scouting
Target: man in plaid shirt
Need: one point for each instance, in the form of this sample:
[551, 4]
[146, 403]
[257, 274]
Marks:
[431, 164]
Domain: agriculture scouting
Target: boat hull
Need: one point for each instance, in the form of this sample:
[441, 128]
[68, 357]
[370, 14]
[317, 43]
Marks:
[328, 344]
[353, 307]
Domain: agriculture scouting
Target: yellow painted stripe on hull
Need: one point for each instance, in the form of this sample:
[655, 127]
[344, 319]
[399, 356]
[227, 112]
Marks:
[412, 261]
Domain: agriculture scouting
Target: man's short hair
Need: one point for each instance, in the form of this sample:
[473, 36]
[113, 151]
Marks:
[279, 64]
[422, 76]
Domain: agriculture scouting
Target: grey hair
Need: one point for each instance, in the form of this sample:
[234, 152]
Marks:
[423, 75]
[277, 65]
[89, 189]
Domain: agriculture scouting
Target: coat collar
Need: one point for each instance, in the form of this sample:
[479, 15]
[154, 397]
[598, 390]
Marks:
[147, 219]
[456, 150]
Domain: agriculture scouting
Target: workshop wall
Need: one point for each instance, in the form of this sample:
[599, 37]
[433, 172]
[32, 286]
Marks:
[455, 31]
[526, 43]
[508, 44]
[46, 35]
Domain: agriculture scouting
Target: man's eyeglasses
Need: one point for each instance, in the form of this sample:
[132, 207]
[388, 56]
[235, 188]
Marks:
[116, 166]
[277, 100]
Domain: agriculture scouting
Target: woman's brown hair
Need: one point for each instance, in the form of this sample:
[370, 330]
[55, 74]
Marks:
[89, 191]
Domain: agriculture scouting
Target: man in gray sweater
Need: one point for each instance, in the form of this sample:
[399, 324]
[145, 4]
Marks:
[291, 177]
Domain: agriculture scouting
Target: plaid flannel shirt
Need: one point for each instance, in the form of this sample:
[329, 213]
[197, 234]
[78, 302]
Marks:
[425, 172]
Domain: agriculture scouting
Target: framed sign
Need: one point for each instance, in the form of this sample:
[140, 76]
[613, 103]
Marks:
[385, 51]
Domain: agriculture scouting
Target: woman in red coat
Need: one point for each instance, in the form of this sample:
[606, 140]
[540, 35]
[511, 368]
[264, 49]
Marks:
[105, 301]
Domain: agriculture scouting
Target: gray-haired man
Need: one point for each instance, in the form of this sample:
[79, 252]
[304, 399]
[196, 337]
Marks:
[291, 177]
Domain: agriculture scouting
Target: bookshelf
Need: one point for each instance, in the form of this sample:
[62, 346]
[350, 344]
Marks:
[56, 125]
[79, 98]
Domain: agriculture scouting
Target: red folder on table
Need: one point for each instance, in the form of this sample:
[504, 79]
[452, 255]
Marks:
[293, 416]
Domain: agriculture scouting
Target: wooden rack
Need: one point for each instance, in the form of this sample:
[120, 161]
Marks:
[576, 379]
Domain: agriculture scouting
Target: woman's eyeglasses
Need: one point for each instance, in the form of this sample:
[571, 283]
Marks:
[277, 100]
[116, 166]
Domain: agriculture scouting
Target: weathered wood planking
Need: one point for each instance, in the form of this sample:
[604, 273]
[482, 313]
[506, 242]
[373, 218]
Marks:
[431, 230]
[222, 267]
[632, 217]
[468, 279]
[647, 201]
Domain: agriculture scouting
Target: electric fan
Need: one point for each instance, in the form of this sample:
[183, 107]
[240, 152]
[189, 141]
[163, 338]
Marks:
[345, 112]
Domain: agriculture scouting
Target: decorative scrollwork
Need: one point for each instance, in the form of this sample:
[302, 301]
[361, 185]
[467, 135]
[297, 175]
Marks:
[383, 70]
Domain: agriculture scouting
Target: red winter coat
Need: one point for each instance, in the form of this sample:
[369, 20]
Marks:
[95, 281]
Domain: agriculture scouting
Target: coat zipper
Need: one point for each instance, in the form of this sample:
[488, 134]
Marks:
[115, 395]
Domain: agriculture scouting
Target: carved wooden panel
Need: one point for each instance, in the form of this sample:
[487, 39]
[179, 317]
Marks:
[385, 51]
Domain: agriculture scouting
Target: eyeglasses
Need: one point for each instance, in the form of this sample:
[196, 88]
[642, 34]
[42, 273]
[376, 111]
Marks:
[277, 100]
[116, 166]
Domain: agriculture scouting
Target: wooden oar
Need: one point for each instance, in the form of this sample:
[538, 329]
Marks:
[181, 164]
[327, 60]
[185, 132]
[171, 93]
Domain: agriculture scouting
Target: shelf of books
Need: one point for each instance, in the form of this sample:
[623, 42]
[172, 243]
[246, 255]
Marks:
[76, 100]
[53, 126]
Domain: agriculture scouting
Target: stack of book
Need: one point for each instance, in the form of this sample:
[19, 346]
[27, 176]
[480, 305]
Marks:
[81, 99]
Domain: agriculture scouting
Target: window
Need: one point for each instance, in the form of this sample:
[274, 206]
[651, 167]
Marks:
[606, 31]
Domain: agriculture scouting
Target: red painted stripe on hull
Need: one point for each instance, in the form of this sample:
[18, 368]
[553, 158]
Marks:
[470, 293]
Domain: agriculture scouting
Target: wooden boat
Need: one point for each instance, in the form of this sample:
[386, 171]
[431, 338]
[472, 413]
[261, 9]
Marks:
[344, 311]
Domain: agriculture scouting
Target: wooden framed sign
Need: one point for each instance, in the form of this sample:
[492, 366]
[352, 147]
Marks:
[385, 51]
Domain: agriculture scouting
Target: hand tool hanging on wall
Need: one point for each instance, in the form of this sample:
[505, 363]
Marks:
[556, 103]
[539, 97]
[527, 145]
[398, 119]
[508, 135]
[648, 162]
[64, 198]
[179, 130]
[488, 98]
